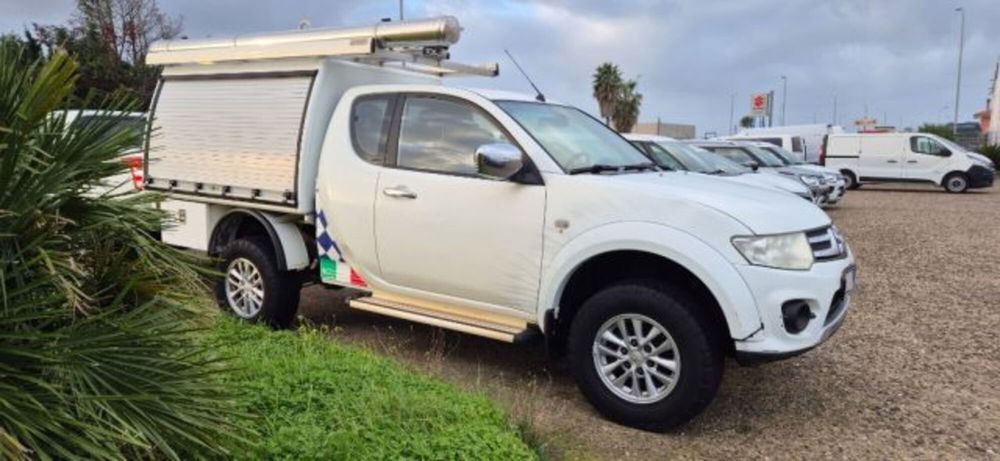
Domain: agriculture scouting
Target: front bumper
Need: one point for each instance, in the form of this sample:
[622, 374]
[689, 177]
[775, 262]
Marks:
[825, 289]
[837, 193]
[980, 176]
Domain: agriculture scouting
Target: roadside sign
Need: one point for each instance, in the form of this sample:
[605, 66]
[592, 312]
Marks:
[758, 104]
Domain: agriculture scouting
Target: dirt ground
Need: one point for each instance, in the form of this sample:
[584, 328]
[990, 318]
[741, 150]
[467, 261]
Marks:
[914, 372]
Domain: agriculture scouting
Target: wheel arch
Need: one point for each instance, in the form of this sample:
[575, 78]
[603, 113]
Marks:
[288, 244]
[673, 256]
[951, 173]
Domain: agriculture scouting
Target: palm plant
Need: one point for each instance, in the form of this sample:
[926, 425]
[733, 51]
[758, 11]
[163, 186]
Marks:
[99, 357]
[607, 89]
[626, 113]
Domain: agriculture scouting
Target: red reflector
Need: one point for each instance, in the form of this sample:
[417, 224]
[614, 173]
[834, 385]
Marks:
[135, 165]
[357, 280]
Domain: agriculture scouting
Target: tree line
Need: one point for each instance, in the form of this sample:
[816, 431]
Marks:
[109, 39]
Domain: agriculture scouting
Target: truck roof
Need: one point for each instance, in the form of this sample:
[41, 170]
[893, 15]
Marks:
[646, 137]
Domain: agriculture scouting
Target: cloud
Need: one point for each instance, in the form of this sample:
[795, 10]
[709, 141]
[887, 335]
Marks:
[894, 57]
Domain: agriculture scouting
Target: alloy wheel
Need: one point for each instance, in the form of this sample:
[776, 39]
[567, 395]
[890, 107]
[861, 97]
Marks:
[636, 358]
[244, 288]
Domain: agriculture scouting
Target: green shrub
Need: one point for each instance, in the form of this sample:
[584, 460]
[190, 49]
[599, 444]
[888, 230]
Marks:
[993, 152]
[322, 400]
[98, 360]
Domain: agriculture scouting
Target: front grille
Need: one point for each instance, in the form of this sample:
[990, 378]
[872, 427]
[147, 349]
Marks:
[826, 243]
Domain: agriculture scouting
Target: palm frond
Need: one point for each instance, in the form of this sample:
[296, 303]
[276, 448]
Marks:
[100, 351]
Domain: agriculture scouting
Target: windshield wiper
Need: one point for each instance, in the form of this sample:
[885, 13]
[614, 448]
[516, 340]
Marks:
[601, 167]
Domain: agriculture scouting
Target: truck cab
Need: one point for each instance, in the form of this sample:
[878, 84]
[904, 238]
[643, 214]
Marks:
[491, 213]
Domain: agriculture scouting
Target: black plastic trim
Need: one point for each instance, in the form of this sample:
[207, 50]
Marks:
[888, 179]
[980, 176]
[228, 224]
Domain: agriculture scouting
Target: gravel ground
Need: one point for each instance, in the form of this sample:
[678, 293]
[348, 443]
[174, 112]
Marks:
[914, 372]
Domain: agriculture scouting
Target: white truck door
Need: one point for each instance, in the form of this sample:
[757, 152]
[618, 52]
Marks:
[440, 228]
[926, 159]
[881, 157]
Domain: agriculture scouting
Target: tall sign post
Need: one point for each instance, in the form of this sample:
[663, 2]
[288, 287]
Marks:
[760, 105]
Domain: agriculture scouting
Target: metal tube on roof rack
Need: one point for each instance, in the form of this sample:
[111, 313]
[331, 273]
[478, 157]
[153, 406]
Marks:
[441, 31]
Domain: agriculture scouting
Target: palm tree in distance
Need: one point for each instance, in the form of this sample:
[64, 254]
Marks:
[626, 112]
[607, 89]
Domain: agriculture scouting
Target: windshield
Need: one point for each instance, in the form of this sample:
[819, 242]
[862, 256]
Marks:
[718, 163]
[765, 158]
[734, 154]
[572, 138]
[687, 155]
[663, 157]
[951, 145]
[787, 157]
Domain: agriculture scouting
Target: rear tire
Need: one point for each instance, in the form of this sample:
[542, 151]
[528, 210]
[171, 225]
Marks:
[696, 355]
[956, 183]
[852, 181]
[252, 288]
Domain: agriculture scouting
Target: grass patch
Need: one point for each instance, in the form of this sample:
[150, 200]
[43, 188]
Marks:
[318, 399]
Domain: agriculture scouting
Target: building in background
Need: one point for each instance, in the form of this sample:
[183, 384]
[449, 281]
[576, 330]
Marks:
[968, 135]
[989, 119]
[673, 130]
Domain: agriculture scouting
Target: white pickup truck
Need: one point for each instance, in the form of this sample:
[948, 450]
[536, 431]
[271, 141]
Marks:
[338, 157]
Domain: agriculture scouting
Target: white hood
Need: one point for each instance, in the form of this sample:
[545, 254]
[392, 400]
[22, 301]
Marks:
[771, 181]
[761, 210]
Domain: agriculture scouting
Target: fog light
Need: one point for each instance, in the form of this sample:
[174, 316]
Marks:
[796, 315]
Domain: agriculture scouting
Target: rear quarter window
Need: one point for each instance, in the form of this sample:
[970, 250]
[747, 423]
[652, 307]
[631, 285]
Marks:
[370, 119]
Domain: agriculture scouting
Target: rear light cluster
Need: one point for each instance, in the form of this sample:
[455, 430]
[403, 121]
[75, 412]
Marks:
[134, 163]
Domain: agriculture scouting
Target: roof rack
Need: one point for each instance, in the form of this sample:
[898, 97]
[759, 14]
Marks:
[416, 46]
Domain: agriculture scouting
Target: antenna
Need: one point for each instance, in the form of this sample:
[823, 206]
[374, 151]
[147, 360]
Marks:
[538, 94]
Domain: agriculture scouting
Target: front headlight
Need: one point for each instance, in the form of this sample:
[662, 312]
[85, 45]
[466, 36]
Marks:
[780, 251]
[809, 180]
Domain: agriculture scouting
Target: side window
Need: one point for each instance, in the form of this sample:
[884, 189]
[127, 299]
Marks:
[797, 144]
[370, 120]
[925, 145]
[442, 135]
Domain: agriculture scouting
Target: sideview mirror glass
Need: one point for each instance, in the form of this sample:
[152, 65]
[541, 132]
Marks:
[498, 160]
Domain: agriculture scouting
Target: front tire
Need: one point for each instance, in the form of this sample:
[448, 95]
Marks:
[252, 287]
[850, 179]
[956, 183]
[644, 356]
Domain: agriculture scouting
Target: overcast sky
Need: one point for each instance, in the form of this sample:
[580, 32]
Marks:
[898, 57]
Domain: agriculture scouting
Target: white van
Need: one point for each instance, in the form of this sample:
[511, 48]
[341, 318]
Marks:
[905, 157]
[315, 157]
[790, 137]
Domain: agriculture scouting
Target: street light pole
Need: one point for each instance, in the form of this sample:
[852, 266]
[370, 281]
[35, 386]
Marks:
[784, 97]
[732, 106]
[958, 83]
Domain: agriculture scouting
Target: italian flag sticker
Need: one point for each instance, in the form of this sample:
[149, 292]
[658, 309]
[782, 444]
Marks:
[338, 272]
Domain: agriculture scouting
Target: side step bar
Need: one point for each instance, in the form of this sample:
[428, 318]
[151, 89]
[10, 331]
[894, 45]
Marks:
[452, 321]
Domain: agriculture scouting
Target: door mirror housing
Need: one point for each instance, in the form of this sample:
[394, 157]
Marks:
[751, 165]
[499, 160]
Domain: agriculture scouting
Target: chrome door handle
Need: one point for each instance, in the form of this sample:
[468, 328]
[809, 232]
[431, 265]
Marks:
[399, 192]
[892, 161]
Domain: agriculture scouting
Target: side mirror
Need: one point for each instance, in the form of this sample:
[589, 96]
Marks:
[751, 165]
[944, 152]
[498, 160]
